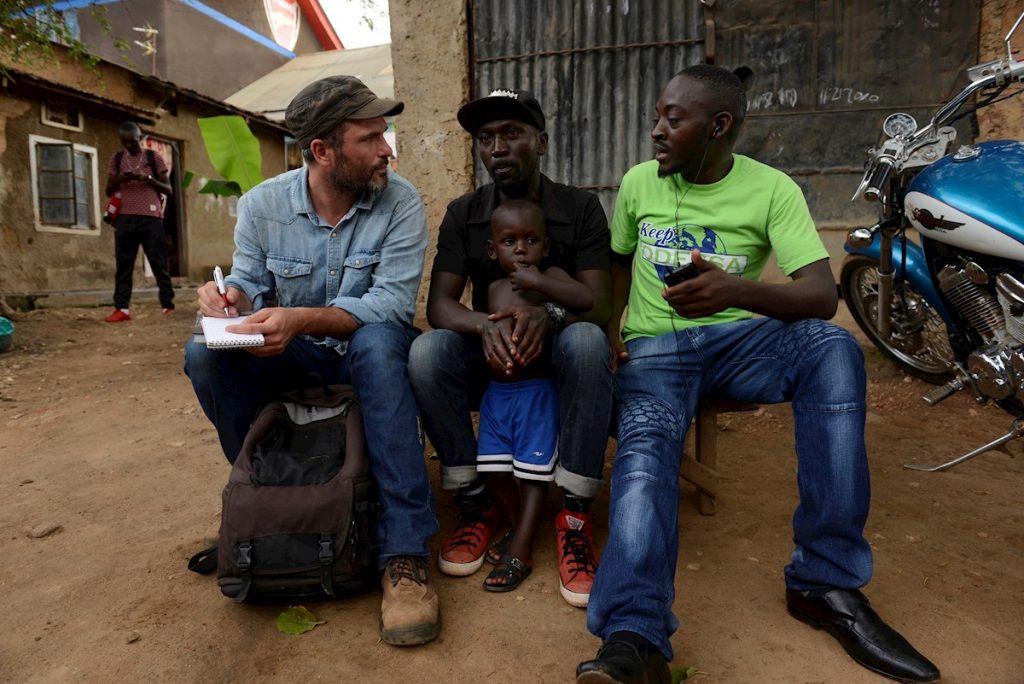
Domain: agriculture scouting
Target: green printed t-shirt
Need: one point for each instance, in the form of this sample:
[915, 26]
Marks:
[735, 223]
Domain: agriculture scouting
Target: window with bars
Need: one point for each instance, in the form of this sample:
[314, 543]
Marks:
[64, 185]
[61, 115]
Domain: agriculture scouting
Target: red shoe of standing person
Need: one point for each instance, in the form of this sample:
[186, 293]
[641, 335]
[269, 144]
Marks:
[118, 316]
[577, 562]
[462, 553]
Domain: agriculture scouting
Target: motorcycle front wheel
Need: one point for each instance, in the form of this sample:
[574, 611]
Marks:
[919, 342]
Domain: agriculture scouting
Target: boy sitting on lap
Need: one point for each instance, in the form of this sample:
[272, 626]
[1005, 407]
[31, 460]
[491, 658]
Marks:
[519, 411]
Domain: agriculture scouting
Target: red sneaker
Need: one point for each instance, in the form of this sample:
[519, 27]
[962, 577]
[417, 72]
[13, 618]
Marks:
[463, 552]
[167, 311]
[577, 562]
[118, 316]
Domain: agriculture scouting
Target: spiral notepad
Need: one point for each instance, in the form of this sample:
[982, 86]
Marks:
[219, 338]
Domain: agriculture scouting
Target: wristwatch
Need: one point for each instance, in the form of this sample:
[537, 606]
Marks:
[556, 312]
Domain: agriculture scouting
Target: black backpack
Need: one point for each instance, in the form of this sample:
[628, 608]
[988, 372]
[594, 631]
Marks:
[300, 509]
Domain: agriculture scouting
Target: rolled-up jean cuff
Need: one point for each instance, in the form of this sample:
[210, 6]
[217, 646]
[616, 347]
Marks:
[577, 485]
[456, 477]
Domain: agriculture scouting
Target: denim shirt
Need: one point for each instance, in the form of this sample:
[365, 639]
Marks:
[369, 264]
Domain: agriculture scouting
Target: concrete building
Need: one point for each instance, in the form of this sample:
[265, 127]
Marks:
[58, 129]
[214, 47]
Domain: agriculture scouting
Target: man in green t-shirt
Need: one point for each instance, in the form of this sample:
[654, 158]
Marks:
[698, 204]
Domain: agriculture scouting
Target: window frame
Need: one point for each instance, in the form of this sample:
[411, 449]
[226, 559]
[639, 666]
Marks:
[44, 112]
[92, 152]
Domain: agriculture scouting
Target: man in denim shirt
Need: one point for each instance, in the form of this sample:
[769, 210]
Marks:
[339, 243]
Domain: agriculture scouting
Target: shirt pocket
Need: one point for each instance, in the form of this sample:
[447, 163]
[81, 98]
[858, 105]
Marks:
[358, 274]
[293, 280]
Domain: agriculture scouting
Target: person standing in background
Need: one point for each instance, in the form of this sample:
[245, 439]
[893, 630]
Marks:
[140, 176]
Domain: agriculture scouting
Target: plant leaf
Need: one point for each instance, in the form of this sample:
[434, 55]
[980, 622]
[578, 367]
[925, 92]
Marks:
[297, 620]
[680, 674]
[233, 150]
[187, 180]
[221, 188]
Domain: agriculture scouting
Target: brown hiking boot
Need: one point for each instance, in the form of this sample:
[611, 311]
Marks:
[409, 613]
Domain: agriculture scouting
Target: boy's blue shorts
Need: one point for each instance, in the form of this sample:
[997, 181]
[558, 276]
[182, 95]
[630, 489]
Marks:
[519, 429]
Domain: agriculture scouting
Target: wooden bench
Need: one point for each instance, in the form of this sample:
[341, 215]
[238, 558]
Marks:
[700, 464]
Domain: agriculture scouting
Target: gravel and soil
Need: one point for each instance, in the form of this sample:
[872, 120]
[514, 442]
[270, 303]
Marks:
[110, 475]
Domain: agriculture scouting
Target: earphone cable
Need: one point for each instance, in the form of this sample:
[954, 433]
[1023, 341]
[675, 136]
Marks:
[679, 201]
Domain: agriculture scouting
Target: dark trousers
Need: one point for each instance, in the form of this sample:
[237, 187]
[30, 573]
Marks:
[131, 232]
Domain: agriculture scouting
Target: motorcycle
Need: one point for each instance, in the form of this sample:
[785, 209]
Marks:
[948, 308]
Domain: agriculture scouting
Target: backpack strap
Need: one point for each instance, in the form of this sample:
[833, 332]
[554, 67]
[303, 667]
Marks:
[244, 562]
[326, 560]
[204, 562]
[117, 160]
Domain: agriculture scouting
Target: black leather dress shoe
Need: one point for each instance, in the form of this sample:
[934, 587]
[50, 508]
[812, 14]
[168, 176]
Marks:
[846, 615]
[620, 662]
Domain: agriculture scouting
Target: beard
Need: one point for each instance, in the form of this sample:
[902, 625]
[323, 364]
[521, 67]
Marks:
[358, 180]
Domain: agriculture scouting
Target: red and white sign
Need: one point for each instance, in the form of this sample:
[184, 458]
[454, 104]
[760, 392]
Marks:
[283, 17]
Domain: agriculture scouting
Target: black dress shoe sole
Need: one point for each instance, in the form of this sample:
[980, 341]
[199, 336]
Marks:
[594, 677]
[807, 620]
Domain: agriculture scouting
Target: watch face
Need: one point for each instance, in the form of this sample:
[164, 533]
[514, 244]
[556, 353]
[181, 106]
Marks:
[556, 312]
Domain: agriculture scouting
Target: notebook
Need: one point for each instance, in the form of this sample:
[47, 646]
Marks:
[218, 338]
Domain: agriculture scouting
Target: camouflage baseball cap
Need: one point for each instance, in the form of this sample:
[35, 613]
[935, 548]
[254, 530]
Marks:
[321, 106]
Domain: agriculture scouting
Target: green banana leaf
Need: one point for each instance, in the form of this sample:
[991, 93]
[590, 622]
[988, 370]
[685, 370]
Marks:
[233, 150]
[221, 188]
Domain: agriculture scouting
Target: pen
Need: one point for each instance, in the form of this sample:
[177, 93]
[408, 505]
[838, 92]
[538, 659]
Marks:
[218, 277]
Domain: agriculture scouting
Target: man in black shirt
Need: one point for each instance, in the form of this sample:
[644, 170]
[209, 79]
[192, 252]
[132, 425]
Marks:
[449, 365]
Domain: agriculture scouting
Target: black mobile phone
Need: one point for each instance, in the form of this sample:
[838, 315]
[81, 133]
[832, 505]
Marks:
[684, 272]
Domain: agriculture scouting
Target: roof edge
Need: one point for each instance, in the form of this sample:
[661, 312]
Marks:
[147, 116]
[321, 25]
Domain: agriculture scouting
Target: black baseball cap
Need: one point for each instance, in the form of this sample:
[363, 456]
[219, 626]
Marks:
[321, 106]
[503, 103]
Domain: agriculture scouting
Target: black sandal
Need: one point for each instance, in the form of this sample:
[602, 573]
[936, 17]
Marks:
[512, 569]
[498, 548]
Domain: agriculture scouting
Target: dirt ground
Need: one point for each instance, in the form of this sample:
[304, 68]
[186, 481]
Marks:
[103, 442]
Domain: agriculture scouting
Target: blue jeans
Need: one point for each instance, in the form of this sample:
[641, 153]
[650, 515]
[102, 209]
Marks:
[449, 376]
[813, 364]
[232, 384]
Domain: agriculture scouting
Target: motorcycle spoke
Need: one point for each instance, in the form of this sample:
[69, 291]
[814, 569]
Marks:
[919, 334]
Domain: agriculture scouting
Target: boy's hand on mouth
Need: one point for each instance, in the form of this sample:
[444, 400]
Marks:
[524, 276]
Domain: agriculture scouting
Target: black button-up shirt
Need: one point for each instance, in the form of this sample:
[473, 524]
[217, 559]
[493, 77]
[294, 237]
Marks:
[577, 228]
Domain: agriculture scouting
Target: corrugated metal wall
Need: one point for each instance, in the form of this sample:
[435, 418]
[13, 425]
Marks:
[596, 68]
[826, 73]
